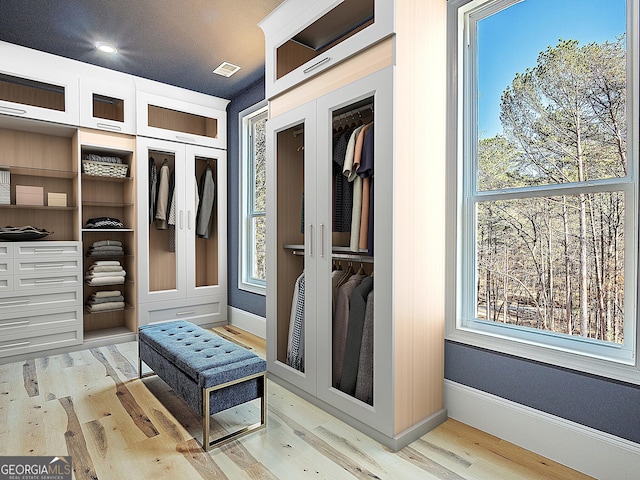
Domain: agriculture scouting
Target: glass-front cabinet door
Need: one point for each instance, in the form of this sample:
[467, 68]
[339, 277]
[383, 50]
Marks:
[292, 246]
[355, 150]
[206, 232]
[182, 239]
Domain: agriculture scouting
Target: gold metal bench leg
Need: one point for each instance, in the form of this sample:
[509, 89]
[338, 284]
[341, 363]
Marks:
[206, 417]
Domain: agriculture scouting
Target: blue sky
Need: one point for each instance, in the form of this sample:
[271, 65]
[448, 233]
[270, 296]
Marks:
[510, 41]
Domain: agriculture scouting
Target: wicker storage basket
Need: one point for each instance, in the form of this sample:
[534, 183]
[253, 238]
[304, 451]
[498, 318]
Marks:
[105, 169]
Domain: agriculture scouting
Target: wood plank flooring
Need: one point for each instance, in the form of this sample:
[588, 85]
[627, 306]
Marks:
[91, 405]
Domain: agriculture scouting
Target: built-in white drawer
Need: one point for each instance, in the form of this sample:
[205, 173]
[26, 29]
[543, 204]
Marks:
[202, 314]
[26, 282]
[44, 299]
[6, 266]
[6, 250]
[31, 323]
[43, 340]
[47, 249]
[56, 264]
[6, 284]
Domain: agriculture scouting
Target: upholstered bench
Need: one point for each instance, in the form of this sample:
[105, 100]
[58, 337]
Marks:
[210, 373]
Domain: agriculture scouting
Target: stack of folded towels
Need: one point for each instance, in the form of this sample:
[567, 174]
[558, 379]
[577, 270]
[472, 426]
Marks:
[105, 272]
[106, 248]
[104, 301]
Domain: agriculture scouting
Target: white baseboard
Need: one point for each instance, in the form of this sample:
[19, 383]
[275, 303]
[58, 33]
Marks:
[248, 321]
[585, 449]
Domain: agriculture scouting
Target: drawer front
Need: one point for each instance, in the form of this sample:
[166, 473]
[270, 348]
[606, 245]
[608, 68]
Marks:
[26, 324]
[14, 304]
[6, 284]
[44, 340]
[47, 249]
[27, 282]
[6, 250]
[203, 314]
[57, 264]
[6, 266]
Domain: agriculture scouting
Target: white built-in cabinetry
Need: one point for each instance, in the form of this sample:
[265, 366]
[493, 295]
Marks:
[40, 296]
[182, 121]
[317, 35]
[53, 113]
[396, 82]
[108, 104]
[42, 90]
[182, 273]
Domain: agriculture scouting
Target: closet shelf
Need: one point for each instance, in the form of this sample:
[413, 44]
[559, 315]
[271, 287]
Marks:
[98, 178]
[92, 203]
[41, 172]
[89, 230]
[37, 207]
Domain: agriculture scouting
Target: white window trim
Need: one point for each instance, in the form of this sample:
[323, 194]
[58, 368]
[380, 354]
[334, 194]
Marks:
[455, 329]
[244, 283]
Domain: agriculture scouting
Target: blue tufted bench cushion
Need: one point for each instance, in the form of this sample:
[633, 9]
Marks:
[190, 359]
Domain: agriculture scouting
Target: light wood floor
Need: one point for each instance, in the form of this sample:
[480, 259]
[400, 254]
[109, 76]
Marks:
[91, 405]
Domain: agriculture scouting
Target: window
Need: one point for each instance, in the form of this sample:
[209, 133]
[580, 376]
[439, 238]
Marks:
[252, 255]
[547, 180]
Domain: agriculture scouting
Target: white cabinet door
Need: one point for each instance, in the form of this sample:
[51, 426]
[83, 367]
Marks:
[206, 233]
[292, 247]
[108, 104]
[161, 248]
[182, 224]
[366, 243]
[306, 38]
[182, 121]
[33, 86]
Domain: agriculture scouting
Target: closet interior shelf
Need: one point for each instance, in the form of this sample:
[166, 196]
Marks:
[337, 253]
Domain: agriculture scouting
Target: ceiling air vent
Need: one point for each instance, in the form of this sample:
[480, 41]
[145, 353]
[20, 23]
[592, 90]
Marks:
[226, 69]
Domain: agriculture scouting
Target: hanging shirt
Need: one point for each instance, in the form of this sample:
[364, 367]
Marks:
[207, 197]
[153, 178]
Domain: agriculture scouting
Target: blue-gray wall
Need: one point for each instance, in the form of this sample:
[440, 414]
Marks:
[606, 405]
[241, 299]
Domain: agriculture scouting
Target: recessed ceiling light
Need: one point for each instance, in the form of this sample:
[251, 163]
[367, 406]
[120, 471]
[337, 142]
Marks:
[226, 69]
[106, 48]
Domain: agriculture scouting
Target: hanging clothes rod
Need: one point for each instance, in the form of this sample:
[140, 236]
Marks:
[341, 256]
[352, 113]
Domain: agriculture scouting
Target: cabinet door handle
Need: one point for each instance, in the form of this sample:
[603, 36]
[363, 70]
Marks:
[19, 344]
[49, 265]
[317, 64]
[189, 220]
[107, 126]
[10, 324]
[185, 139]
[49, 250]
[17, 111]
[322, 240]
[186, 312]
[181, 219]
[49, 280]
[310, 240]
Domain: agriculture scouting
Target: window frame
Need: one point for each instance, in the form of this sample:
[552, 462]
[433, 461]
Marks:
[545, 347]
[246, 174]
